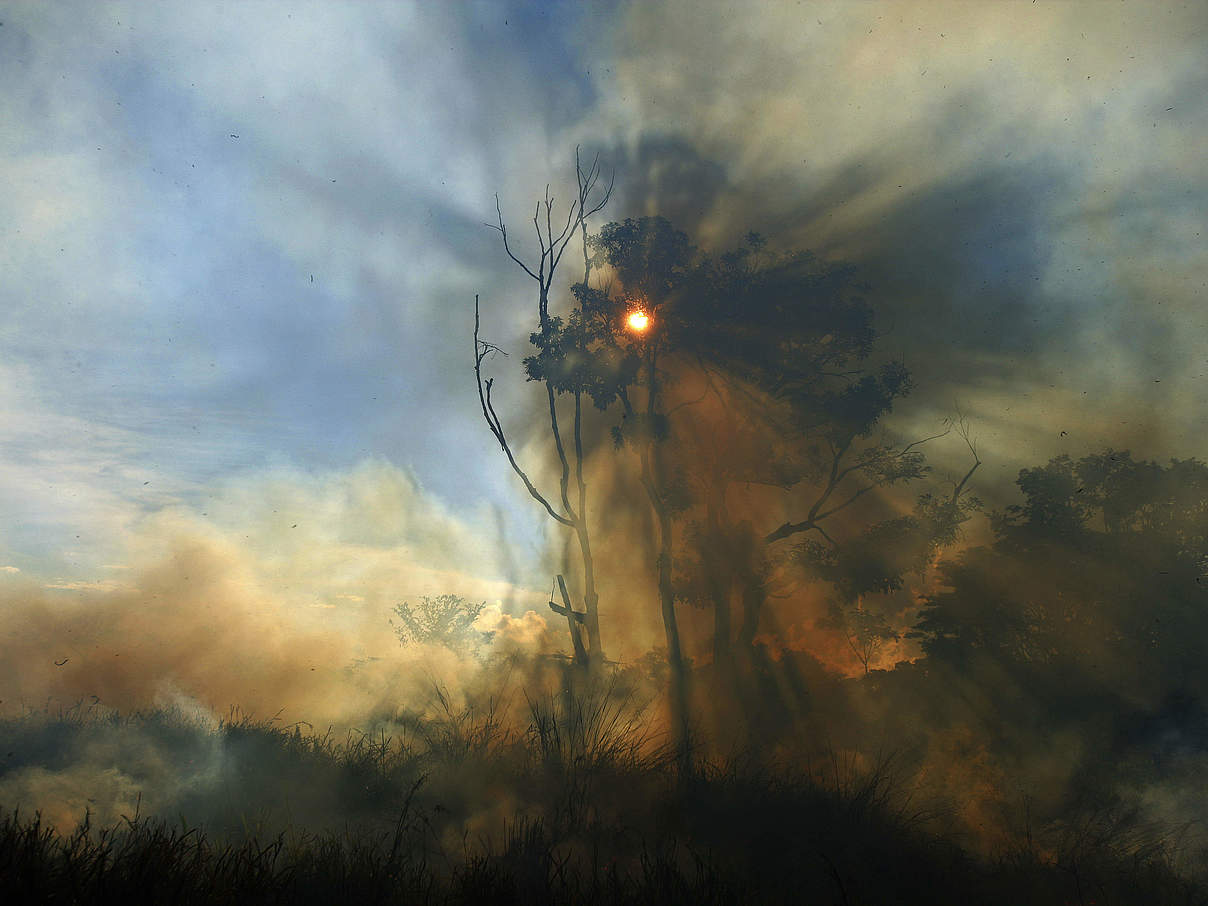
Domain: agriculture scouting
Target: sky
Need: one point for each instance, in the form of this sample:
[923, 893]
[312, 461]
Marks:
[240, 244]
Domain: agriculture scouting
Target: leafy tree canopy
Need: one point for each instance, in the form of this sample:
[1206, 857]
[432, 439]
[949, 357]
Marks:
[441, 620]
[1098, 580]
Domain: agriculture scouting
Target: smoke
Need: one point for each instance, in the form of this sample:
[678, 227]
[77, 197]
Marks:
[1020, 185]
[1017, 185]
[272, 603]
[274, 599]
[1027, 210]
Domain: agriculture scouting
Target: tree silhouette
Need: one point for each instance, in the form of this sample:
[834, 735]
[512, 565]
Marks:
[652, 262]
[773, 348]
[568, 362]
[441, 620]
[780, 345]
[1094, 590]
[776, 349]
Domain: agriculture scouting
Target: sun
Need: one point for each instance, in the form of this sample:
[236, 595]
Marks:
[637, 320]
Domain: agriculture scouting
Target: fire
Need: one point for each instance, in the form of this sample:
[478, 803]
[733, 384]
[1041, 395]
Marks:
[637, 320]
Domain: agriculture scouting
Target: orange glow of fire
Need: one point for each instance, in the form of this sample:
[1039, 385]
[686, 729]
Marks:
[637, 320]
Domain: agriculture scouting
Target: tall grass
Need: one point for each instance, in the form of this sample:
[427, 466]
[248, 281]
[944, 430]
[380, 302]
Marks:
[579, 803]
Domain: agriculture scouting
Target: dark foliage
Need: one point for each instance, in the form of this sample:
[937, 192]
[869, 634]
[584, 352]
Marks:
[1085, 620]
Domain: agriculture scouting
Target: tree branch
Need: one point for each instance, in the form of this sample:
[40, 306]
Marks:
[503, 230]
[963, 430]
[794, 528]
[579, 455]
[481, 350]
[837, 475]
[564, 483]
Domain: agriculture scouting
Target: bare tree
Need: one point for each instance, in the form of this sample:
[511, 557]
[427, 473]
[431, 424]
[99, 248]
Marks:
[568, 510]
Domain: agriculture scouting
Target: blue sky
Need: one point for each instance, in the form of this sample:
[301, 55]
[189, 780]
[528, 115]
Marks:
[246, 237]
[240, 242]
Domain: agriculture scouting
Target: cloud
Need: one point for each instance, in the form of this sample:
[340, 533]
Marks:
[220, 254]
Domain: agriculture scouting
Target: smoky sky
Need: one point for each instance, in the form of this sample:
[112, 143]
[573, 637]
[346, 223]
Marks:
[240, 246]
[1017, 184]
[241, 243]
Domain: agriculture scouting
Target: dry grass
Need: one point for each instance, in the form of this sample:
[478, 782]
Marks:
[581, 805]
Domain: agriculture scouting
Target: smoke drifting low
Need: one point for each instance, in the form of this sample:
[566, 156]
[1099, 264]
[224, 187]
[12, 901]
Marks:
[274, 600]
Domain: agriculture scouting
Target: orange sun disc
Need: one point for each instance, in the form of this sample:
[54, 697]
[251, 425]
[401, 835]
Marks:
[638, 320]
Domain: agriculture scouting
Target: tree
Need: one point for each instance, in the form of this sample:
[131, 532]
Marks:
[442, 620]
[652, 262]
[776, 348]
[1095, 588]
[780, 344]
[571, 360]
[873, 564]
[775, 344]
[866, 631]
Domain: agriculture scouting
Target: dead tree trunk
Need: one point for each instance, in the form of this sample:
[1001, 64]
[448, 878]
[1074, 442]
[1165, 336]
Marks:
[573, 516]
[573, 620]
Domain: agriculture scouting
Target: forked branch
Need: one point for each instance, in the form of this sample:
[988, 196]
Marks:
[550, 245]
[889, 466]
[482, 349]
[962, 428]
